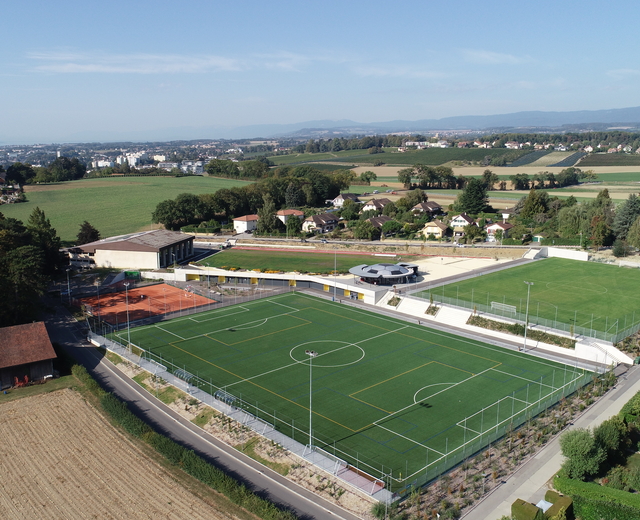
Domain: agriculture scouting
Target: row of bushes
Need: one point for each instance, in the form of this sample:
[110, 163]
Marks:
[180, 456]
[518, 330]
[594, 502]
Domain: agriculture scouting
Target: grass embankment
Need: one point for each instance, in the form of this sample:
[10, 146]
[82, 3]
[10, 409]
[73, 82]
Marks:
[518, 330]
[113, 206]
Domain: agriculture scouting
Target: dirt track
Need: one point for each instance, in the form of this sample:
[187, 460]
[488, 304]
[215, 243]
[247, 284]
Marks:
[61, 459]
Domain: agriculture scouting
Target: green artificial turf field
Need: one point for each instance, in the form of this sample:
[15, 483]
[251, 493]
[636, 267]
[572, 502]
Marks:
[388, 396]
[579, 294]
[289, 261]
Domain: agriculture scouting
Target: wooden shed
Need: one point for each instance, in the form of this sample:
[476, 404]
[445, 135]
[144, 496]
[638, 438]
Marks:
[25, 350]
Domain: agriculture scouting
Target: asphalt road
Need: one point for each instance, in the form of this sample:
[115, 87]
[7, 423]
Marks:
[265, 482]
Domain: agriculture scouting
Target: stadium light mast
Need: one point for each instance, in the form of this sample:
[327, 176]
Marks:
[68, 285]
[526, 317]
[335, 269]
[126, 292]
[311, 354]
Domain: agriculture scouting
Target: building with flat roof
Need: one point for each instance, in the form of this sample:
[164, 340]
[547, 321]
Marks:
[145, 250]
[385, 274]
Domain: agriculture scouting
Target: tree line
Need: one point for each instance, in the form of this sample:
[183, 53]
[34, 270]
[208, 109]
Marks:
[62, 169]
[287, 187]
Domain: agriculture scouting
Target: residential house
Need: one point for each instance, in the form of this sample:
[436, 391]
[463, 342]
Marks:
[498, 226]
[375, 204]
[193, 167]
[430, 207]
[26, 354]
[339, 201]
[168, 166]
[380, 221]
[245, 223]
[588, 148]
[459, 222]
[284, 214]
[436, 228]
[322, 223]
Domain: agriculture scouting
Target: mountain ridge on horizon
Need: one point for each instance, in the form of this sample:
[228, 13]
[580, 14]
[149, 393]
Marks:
[547, 120]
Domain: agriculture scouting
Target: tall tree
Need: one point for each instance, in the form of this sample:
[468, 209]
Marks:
[473, 198]
[583, 454]
[626, 215]
[404, 177]
[87, 234]
[46, 238]
[267, 215]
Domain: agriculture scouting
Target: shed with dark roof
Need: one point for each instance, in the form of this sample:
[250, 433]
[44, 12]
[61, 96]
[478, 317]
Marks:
[25, 350]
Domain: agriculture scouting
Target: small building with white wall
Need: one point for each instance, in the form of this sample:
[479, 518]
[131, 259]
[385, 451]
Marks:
[245, 223]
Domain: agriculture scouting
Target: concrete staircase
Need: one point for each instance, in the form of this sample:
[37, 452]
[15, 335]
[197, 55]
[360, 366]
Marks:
[453, 316]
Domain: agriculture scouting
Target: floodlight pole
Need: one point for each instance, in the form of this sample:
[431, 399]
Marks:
[126, 292]
[335, 268]
[311, 354]
[68, 285]
[526, 318]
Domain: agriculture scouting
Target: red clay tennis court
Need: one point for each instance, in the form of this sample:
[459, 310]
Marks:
[143, 302]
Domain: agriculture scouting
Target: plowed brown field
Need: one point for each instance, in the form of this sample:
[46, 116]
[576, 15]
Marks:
[60, 459]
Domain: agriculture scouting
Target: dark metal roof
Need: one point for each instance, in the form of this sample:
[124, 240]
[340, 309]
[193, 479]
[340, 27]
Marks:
[149, 241]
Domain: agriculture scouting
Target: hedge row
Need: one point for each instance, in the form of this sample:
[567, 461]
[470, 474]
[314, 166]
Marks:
[594, 502]
[518, 330]
[182, 457]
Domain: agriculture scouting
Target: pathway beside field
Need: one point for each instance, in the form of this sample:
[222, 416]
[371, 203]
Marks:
[531, 480]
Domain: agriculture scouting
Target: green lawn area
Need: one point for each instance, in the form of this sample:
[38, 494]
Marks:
[301, 261]
[388, 396]
[114, 206]
[583, 294]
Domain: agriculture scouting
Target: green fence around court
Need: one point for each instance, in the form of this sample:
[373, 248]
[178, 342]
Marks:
[614, 330]
[484, 427]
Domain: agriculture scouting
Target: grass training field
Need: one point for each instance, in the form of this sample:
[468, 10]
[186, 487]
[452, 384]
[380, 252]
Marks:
[289, 261]
[113, 206]
[388, 396]
[585, 294]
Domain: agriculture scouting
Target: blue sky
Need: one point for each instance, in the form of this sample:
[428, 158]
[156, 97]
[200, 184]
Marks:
[74, 70]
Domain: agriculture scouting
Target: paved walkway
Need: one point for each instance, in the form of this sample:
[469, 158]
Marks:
[530, 481]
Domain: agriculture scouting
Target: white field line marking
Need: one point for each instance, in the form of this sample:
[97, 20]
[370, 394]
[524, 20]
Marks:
[299, 362]
[169, 332]
[428, 386]
[413, 404]
[410, 440]
[532, 381]
[244, 309]
[450, 335]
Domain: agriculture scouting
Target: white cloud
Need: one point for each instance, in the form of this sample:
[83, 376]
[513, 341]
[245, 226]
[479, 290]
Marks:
[623, 73]
[398, 71]
[69, 62]
[483, 57]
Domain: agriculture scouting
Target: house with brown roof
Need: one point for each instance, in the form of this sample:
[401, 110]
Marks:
[430, 207]
[245, 223]
[380, 221]
[339, 201]
[284, 214]
[375, 204]
[459, 222]
[144, 250]
[25, 350]
[436, 228]
[322, 223]
[495, 228]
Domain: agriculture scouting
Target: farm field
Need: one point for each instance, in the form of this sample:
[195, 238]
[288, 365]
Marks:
[389, 397]
[549, 159]
[71, 463]
[610, 159]
[580, 294]
[288, 261]
[113, 206]
[431, 156]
